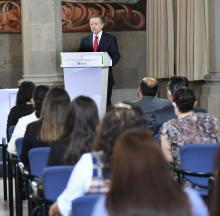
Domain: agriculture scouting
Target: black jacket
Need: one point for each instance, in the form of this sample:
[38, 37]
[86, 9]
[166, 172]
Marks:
[108, 43]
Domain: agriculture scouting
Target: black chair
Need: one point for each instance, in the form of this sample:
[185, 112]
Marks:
[5, 160]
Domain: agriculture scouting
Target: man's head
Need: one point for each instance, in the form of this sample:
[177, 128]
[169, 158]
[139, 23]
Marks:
[24, 94]
[96, 23]
[175, 83]
[148, 87]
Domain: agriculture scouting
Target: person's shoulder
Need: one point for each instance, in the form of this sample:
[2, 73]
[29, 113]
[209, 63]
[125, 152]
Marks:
[108, 35]
[164, 101]
[14, 110]
[60, 143]
[165, 110]
[199, 110]
[85, 158]
[31, 116]
[34, 125]
[205, 117]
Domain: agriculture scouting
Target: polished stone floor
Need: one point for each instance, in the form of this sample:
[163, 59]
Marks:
[4, 208]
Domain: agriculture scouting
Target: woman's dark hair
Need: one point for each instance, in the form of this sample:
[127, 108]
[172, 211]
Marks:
[141, 182]
[215, 208]
[79, 128]
[116, 121]
[39, 94]
[54, 108]
[184, 99]
[177, 82]
[24, 94]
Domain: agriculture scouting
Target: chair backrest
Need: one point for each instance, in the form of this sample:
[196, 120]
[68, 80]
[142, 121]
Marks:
[83, 206]
[198, 158]
[55, 179]
[10, 132]
[18, 145]
[38, 158]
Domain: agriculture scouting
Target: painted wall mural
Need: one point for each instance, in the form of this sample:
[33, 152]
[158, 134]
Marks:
[128, 16]
[10, 16]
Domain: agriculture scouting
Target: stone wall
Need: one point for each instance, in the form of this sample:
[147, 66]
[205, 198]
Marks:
[10, 60]
[128, 72]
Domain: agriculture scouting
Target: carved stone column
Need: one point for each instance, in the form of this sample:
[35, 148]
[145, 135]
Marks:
[210, 98]
[42, 41]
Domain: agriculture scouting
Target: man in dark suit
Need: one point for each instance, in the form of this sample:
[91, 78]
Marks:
[148, 100]
[99, 41]
[158, 117]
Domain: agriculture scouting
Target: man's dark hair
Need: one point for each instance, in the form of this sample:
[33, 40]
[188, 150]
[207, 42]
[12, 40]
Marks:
[148, 90]
[39, 94]
[177, 82]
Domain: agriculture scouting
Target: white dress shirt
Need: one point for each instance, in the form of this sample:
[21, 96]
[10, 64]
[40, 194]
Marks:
[99, 37]
[78, 184]
[19, 131]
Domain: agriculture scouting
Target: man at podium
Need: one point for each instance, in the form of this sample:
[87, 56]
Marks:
[99, 41]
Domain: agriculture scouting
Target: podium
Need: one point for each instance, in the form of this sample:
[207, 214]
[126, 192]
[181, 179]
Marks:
[86, 73]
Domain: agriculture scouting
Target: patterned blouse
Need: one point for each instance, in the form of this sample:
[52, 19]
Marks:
[198, 128]
[101, 175]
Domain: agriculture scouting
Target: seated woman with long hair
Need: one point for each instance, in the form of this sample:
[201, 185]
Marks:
[141, 184]
[50, 126]
[92, 172]
[188, 128]
[23, 104]
[78, 134]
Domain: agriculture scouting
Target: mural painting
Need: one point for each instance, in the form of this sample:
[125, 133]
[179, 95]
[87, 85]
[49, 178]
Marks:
[121, 16]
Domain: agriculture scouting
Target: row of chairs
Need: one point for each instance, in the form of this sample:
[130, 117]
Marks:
[54, 181]
[197, 166]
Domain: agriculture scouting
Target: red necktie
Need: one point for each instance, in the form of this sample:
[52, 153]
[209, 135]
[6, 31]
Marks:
[95, 44]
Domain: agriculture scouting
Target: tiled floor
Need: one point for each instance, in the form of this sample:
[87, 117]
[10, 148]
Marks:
[4, 208]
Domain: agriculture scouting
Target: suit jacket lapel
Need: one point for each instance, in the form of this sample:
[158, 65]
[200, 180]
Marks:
[90, 43]
[101, 43]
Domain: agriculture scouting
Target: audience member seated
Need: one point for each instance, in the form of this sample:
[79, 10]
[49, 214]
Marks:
[158, 117]
[142, 185]
[50, 125]
[188, 128]
[148, 100]
[23, 105]
[79, 133]
[92, 172]
[215, 199]
[39, 93]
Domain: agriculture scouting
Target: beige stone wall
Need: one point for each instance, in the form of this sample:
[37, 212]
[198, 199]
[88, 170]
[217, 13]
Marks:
[10, 60]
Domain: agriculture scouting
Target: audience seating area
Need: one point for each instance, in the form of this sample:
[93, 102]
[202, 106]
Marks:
[41, 184]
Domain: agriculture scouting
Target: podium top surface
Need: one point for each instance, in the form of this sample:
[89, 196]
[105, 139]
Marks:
[85, 59]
